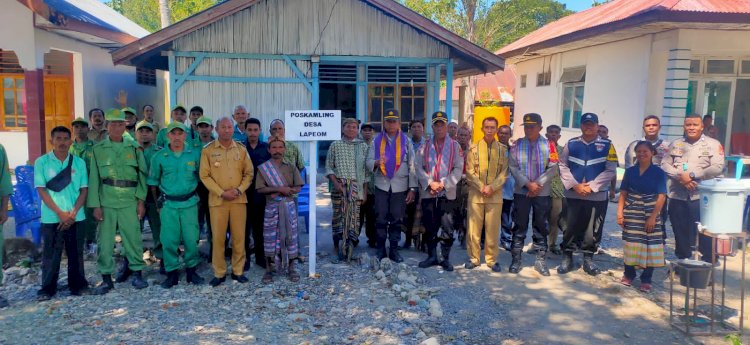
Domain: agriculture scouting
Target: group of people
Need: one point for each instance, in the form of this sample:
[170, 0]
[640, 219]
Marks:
[109, 175]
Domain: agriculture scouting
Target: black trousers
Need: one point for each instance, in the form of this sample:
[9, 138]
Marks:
[683, 215]
[433, 210]
[204, 217]
[389, 216]
[506, 223]
[540, 208]
[585, 223]
[367, 219]
[256, 207]
[55, 241]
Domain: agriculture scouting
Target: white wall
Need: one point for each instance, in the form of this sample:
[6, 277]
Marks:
[18, 20]
[617, 76]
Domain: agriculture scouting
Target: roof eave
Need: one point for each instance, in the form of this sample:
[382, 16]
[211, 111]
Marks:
[658, 15]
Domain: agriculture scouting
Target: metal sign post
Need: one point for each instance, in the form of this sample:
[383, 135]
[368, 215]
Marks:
[312, 126]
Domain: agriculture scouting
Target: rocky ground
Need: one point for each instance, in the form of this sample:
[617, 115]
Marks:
[367, 302]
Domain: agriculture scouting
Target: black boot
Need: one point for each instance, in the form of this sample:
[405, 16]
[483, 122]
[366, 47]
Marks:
[105, 286]
[445, 263]
[382, 254]
[589, 266]
[192, 276]
[393, 253]
[515, 264]
[567, 263]
[173, 277]
[123, 271]
[162, 270]
[138, 281]
[431, 260]
[540, 265]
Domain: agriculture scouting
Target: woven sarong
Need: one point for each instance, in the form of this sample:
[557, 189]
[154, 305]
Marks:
[642, 249]
[279, 222]
[346, 211]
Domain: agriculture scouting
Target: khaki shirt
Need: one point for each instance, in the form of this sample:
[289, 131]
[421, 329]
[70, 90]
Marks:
[223, 169]
[97, 136]
[486, 165]
[704, 158]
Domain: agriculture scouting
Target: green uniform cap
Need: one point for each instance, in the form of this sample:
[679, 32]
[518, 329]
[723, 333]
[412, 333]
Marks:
[203, 119]
[144, 124]
[179, 106]
[174, 124]
[114, 115]
[81, 121]
[129, 110]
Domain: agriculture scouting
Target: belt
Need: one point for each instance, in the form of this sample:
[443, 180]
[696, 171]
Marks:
[184, 197]
[120, 183]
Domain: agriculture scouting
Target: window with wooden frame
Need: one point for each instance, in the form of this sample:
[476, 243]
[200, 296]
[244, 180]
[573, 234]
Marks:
[410, 101]
[145, 76]
[13, 107]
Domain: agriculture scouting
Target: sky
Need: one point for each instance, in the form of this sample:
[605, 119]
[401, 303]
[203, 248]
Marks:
[577, 5]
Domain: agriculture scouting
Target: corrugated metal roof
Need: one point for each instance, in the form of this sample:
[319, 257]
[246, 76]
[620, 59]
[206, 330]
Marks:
[97, 13]
[619, 10]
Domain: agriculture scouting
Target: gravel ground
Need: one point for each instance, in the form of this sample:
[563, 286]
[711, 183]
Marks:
[364, 303]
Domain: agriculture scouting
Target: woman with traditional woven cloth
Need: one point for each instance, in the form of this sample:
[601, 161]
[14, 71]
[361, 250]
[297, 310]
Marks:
[642, 196]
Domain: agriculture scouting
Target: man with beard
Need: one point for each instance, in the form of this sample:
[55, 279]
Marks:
[130, 121]
[148, 116]
[98, 129]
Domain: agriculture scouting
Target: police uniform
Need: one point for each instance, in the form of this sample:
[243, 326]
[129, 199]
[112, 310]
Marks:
[152, 213]
[438, 164]
[532, 162]
[117, 184]
[176, 175]
[702, 160]
[595, 163]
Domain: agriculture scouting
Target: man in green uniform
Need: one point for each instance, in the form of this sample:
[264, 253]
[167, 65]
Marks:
[117, 191]
[6, 189]
[130, 121]
[144, 133]
[175, 172]
[179, 114]
[82, 148]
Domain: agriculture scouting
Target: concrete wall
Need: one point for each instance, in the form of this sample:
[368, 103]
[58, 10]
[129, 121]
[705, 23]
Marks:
[617, 80]
[96, 80]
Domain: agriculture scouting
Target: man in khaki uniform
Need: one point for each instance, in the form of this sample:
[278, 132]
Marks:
[486, 170]
[227, 171]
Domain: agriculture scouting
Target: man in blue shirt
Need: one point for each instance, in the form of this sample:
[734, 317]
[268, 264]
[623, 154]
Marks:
[240, 116]
[62, 182]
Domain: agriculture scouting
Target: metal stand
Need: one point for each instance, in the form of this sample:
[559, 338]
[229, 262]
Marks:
[688, 324]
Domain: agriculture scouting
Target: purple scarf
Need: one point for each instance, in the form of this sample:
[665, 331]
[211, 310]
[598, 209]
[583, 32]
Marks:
[381, 144]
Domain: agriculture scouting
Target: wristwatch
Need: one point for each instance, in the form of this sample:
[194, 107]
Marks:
[413, 189]
[692, 176]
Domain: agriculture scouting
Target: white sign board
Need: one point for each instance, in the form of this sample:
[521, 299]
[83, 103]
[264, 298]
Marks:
[312, 125]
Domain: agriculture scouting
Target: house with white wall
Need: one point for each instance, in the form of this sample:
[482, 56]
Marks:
[627, 59]
[55, 65]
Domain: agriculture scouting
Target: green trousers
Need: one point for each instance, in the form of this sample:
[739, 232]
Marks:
[180, 224]
[86, 231]
[154, 221]
[126, 219]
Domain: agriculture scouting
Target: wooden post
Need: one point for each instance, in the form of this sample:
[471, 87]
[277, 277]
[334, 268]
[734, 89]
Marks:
[35, 126]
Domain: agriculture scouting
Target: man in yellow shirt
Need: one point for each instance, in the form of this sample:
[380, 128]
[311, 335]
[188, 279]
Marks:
[486, 169]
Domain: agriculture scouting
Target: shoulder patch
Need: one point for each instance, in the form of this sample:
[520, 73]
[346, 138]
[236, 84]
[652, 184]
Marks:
[612, 155]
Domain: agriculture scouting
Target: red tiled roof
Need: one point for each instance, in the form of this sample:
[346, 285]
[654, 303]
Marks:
[499, 85]
[620, 10]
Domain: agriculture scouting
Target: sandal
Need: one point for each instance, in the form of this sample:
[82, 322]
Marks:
[645, 288]
[267, 278]
[626, 281]
[293, 276]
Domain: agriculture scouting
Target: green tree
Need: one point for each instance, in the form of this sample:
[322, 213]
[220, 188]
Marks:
[146, 12]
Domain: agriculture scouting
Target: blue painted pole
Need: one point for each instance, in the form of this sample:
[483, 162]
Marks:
[449, 89]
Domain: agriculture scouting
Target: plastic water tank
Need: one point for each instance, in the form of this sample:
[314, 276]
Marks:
[722, 204]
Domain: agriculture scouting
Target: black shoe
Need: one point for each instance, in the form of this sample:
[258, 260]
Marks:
[589, 266]
[217, 281]
[567, 263]
[470, 266]
[43, 296]
[104, 286]
[3, 302]
[555, 250]
[445, 253]
[382, 253]
[446, 265]
[532, 250]
[395, 256]
[192, 276]
[84, 291]
[123, 271]
[431, 260]
[162, 270]
[540, 265]
[240, 278]
[173, 278]
[496, 267]
[138, 281]
[515, 264]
